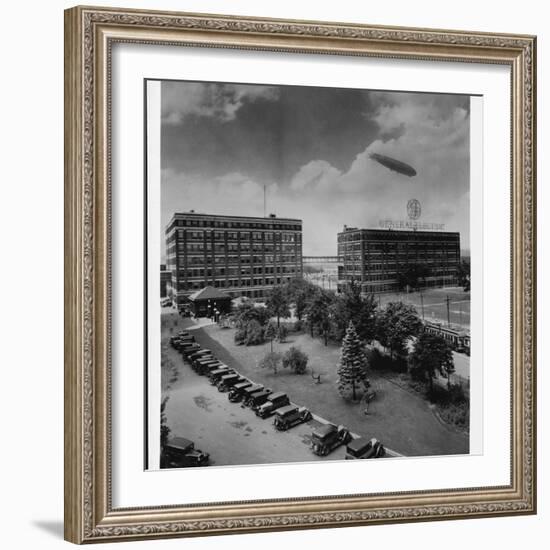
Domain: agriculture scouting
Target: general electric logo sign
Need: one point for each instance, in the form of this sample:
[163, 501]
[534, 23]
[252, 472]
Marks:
[413, 209]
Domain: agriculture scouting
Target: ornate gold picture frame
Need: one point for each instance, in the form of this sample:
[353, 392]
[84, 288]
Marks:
[90, 34]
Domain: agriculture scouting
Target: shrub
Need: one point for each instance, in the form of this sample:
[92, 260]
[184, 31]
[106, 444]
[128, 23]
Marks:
[282, 333]
[240, 336]
[456, 414]
[383, 362]
[271, 361]
[254, 333]
[452, 396]
[296, 360]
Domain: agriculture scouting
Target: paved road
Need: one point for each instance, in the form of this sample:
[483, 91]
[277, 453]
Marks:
[230, 433]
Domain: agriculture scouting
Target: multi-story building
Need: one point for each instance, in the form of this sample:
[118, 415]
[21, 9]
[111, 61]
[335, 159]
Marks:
[381, 260]
[244, 256]
[165, 278]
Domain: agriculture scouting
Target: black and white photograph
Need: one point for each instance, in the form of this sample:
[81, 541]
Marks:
[314, 252]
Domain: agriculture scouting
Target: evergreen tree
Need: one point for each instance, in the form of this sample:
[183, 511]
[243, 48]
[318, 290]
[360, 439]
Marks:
[352, 371]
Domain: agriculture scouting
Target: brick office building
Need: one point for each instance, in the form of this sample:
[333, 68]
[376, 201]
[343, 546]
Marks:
[244, 256]
[377, 258]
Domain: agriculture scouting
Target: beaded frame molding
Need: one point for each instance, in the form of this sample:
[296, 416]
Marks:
[89, 36]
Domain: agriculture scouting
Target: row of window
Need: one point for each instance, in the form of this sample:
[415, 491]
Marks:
[242, 248]
[239, 260]
[235, 271]
[399, 258]
[392, 266]
[238, 236]
[386, 249]
[438, 273]
[234, 283]
[238, 225]
[400, 236]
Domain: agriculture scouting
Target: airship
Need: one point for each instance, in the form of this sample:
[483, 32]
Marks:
[393, 164]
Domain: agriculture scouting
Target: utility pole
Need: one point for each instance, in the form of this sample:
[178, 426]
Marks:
[422, 304]
[447, 299]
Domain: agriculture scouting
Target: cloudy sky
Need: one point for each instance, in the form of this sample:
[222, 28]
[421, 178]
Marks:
[222, 143]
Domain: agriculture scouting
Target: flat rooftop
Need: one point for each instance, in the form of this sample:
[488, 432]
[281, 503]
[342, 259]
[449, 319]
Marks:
[198, 215]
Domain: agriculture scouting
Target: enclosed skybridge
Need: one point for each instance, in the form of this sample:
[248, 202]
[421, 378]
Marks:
[320, 259]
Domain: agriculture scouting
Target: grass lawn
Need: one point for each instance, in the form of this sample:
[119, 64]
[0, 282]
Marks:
[400, 419]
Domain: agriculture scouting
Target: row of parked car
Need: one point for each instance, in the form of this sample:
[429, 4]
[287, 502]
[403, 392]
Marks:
[266, 403]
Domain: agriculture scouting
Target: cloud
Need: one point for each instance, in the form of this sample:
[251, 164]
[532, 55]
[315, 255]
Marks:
[214, 100]
[433, 137]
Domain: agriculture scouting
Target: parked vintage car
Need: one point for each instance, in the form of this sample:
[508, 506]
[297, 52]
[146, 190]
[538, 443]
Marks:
[228, 381]
[201, 354]
[187, 349]
[361, 447]
[177, 341]
[215, 375]
[174, 340]
[181, 453]
[250, 390]
[275, 401]
[182, 343]
[328, 437]
[257, 398]
[197, 357]
[185, 343]
[289, 416]
[236, 392]
[205, 365]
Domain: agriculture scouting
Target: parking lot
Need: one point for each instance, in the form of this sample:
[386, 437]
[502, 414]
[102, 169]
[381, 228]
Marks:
[231, 433]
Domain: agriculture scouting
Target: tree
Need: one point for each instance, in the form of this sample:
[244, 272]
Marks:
[270, 333]
[411, 275]
[299, 292]
[282, 333]
[296, 360]
[353, 306]
[463, 274]
[277, 303]
[319, 313]
[247, 311]
[432, 354]
[254, 333]
[164, 433]
[300, 304]
[352, 370]
[271, 361]
[396, 323]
